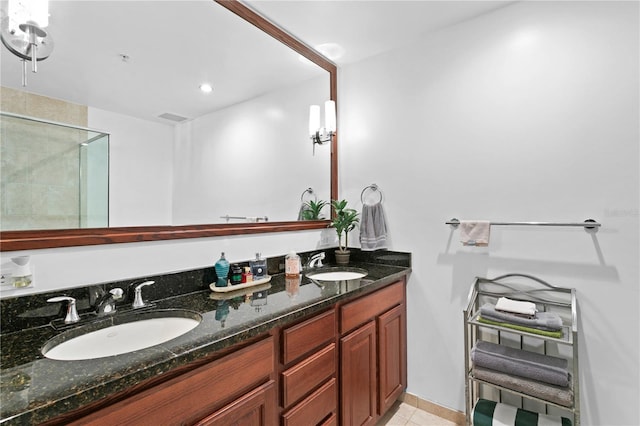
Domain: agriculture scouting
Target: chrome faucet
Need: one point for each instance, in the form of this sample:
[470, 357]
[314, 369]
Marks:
[138, 302]
[316, 260]
[72, 313]
[107, 303]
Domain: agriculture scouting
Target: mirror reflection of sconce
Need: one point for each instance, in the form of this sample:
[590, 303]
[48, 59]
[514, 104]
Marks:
[23, 32]
[321, 135]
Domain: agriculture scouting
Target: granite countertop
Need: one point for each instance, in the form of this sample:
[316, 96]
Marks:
[36, 389]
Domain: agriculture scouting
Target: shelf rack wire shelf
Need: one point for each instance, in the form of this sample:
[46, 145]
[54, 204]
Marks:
[547, 298]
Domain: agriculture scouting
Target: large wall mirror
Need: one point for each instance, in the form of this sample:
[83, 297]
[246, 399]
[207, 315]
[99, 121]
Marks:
[181, 163]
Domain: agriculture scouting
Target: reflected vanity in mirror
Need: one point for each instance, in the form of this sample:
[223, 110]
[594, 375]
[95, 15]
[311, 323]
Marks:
[180, 161]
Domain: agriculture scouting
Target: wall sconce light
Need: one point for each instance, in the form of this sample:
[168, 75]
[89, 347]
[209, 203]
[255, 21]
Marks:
[320, 135]
[22, 31]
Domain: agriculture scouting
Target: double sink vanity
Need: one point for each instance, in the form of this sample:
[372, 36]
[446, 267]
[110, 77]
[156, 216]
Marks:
[326, 348]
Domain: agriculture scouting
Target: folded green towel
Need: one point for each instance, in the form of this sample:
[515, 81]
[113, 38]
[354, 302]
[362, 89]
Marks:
[488, 413]
[556, 334]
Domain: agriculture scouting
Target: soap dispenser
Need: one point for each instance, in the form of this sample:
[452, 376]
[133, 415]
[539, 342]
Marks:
[222, 271]
[292, 265]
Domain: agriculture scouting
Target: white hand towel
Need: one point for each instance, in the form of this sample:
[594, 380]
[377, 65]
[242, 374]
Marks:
[475, 232]
[373, 228]
[516, 306]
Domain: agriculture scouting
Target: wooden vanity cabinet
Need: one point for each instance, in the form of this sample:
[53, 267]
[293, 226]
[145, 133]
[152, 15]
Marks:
[235, 389]
[373, 355]
[345, 365]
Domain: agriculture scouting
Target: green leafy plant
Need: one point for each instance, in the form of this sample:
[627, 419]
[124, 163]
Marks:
[312, 210]
[344, 221]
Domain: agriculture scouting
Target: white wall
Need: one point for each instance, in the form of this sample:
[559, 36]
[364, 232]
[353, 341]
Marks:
[78, 266]
[526, 114]
[140, 168]
[251, 159]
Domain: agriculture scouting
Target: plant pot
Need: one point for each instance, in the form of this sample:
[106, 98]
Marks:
[342, 257]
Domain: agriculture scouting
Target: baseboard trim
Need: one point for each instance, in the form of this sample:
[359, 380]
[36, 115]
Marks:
[457, 417]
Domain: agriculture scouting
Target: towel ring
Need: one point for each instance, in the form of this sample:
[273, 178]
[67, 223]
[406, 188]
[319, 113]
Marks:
[308, 191]
[373, 187]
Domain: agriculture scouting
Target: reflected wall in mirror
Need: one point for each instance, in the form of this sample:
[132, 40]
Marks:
[241, 150]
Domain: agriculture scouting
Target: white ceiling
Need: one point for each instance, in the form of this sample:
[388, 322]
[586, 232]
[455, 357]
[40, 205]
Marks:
[368, 27]
[173, 46]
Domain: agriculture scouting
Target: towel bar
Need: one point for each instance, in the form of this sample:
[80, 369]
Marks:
[257, 219]
[587, 224]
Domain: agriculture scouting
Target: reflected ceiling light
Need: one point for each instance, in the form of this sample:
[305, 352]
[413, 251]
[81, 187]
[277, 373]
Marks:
[321, 135]
[331, 51]
[206, 88]
[22, 31]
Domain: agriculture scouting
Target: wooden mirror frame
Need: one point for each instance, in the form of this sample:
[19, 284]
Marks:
[40, 239]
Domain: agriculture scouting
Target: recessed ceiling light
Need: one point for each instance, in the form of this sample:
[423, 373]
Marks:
[206, 88]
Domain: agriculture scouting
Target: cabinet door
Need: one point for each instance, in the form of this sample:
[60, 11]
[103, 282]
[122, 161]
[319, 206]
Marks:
[392, 352]
[358, 376]
[257, 408]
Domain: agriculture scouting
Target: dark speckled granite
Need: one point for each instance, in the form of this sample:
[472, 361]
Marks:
[35, 389]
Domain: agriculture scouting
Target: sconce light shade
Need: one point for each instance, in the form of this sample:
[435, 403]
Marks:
[321, 135]
[314, 119]
[34, 12]
[330, 116]
[23, 32]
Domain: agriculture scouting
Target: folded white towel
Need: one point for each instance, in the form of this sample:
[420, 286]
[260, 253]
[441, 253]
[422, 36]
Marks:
[516, 306]
[475, 232]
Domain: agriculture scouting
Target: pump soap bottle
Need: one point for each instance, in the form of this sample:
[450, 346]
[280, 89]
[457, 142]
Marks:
[292, 265]
[222, 271]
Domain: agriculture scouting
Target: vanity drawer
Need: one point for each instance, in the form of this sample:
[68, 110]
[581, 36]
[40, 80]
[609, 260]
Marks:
[192, 396]
[307, 336]
[306, 375]
[314, 409]
[331, 421]
[368, 307]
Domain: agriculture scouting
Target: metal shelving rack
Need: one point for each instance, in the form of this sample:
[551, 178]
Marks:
[547, 298]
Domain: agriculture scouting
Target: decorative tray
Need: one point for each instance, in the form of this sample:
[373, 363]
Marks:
[235, 287]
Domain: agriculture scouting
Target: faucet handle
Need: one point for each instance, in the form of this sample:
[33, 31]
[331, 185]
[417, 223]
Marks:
[72, 313]
[137, 300]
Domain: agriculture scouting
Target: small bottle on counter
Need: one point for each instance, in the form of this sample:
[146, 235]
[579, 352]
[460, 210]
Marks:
[222, 271]
[236, 274]
[247, 276]
[292, 265]
[258, 267]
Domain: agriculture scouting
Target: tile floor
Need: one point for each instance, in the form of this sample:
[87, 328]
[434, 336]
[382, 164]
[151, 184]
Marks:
[403, 414]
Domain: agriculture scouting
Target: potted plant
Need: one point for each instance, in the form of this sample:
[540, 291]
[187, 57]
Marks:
[312, 210]
[344, 221]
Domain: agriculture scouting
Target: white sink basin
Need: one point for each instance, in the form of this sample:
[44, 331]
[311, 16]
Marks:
[338, 275]
[121, 338]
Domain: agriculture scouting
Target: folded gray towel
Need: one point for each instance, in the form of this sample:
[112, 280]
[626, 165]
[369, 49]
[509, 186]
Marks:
[549, 321]
[560, 395]
[373, 228]
[541, 367]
